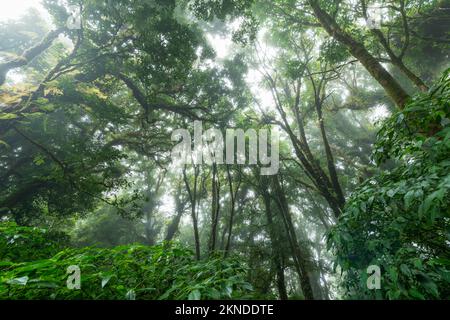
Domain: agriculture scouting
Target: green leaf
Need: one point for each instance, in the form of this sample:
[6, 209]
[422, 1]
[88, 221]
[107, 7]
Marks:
[4, 143]
[229, 290]
[405, 270]
[105, 280]
[409, 197]
[416, 294]
[418, 263]
[194, 295]
[432, 288]
[166, 294]
[20, 281]
[8, 116]
[393, 274]
[131, 295]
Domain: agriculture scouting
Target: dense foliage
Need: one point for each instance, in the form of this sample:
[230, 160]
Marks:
[19, 243]
[166, 271]
[93, 95]
[400, 219]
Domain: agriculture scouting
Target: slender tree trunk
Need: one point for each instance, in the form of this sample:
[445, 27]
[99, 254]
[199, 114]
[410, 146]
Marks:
[398, 62]
[223, 235]
[318, 176]
[411, 75]
[281, 282]
[173, 226]
[276, 248]
[300, 259]
[308, 161]
[233, 194]
[193, 199]
[215, 208]
[330, 159]
[149, 234]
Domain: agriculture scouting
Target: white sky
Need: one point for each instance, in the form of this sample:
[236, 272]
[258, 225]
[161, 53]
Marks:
[13, 9]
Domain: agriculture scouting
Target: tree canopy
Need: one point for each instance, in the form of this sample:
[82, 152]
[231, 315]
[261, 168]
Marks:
[97, 97]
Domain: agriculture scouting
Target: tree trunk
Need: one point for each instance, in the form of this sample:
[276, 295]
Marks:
[233, 194]
[193, 200]
[173, 226]
[215, 208]
[384, 78]
[276, 247]
[330, 159]
[302, 256]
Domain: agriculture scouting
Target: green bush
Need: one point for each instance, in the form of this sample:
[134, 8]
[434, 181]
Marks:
[19, 243]
[400, 220]
[166, 271]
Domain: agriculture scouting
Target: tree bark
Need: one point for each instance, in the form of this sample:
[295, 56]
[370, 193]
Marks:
[233, 193]
[357, 49]
[179, 208]
[300, 258]
[215, 207]
[397, 60]
[329, 154]
[193, 199]
[277, 251]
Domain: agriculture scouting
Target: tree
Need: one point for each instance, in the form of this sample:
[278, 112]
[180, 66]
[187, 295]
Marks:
[398, 220]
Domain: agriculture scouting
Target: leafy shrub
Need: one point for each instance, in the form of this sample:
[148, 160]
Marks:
[18, 243]
[167, 271]
[105, 228]
[399, 220]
